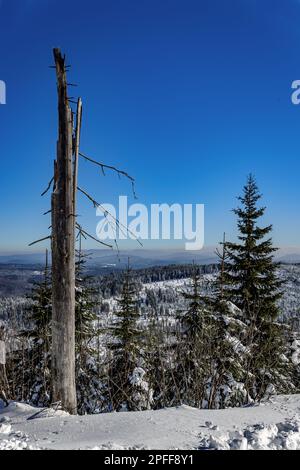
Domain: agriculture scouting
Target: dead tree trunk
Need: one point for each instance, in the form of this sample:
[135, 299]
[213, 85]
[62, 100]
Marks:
[63, 253]
[4, 387]
[223, 259]
[76, 153]
[222, 255]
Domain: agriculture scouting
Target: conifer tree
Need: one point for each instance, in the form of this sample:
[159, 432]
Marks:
[194, 320]
[128, 387]
[88, 385]
[251, 273]
[252, 285]
[85, 298]
[159, 358]
[229, 354]
[195, 345]
[219, 287]
[35, 359]
[40, 312]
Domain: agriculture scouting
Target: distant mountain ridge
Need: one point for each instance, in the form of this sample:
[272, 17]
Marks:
[140, 258]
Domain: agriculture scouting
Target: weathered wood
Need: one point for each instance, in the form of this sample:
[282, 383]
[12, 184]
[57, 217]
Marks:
[4, 387]
[223, 259]
[76, 153]
[2, 353]
[63, 253]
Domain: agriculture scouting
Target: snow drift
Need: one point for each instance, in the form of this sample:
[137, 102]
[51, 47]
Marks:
[272, 425]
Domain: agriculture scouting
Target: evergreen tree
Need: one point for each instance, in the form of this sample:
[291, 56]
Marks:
[128, 389]
[40, 313]
[88, 381]
[193, 320]
[230, 352]
[211, 354]
[270, 370]
[252, 285]
[161, 363]
[34, 355]
[251, 273]
[195, 345]
[218, 299]
[86, 301]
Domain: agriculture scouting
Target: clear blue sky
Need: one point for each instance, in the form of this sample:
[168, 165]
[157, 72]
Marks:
[189, 96]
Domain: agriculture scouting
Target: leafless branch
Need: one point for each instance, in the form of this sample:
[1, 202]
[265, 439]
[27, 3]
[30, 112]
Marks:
[113, 168]
[48, 187]
[80, 233]
[40, 240]
[83, 232]
[106, 212]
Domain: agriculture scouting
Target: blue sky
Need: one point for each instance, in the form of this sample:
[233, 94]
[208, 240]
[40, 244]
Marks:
[188, 96]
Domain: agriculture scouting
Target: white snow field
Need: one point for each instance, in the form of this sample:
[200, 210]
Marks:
[274, 424]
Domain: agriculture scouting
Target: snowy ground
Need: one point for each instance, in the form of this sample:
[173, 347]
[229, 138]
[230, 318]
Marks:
[272, 425]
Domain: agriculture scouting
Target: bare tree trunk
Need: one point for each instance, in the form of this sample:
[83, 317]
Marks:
[76, 153]
[63, 253]
[4, 387]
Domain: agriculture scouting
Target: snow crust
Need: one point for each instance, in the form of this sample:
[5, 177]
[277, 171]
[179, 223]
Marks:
[272, 425]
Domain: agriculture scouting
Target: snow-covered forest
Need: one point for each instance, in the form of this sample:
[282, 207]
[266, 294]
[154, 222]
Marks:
[159, 304]
[210, 337]
[149, 261]
[271, 425]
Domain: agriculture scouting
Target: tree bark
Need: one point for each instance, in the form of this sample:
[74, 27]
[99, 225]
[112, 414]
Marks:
[4, 387]
[76, 153]
[63, 253]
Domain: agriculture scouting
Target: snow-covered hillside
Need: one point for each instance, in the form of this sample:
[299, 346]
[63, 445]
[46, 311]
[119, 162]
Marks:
[164, 298]
[274, 424]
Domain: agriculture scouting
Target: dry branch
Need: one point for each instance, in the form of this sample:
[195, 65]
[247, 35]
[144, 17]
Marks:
[83, 232]
[48, 187]
[106, 212]
[112, 168]
[40, 240]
